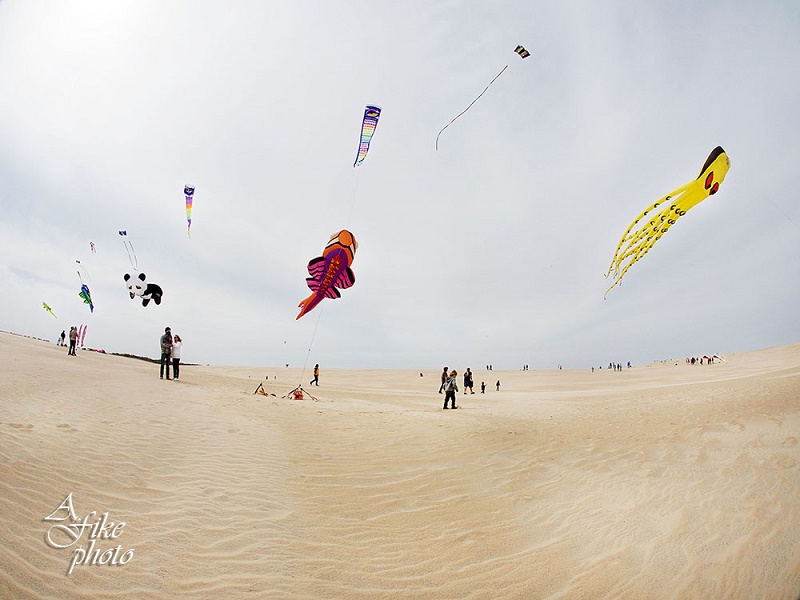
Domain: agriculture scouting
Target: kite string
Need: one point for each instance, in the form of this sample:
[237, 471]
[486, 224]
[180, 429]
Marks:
[470, 105]
[353, 200]
[136, 260]
[322, 305]
[783, 212]
[132, 259]
[311, 345]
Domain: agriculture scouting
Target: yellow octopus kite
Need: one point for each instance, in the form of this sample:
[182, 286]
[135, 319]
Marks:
[635, 244]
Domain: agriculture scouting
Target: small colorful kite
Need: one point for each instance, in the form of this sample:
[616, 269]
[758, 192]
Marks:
[635, 244]
[48, 309]
[91, 245]
[82, 268]
[368, 125]
[523, 54]
[129, 249]
[189, 193]
[330, 271]
[87, 296]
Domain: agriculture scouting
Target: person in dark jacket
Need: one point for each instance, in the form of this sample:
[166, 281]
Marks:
[166, 351]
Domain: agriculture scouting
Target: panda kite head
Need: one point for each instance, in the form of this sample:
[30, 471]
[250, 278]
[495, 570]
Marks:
[138, 286]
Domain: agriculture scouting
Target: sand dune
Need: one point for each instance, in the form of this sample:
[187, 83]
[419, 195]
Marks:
[661, 481]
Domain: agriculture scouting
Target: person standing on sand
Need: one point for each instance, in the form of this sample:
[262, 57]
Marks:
[444, 378]
[176, 356]
[73, 337]
[468, 382]
[450, 389]
[483, 387]
[166, 351]
[63, 337]
[498, 385]
[316, 376]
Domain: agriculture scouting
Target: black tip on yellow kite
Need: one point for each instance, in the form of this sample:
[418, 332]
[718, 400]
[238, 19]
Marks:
[636, 243]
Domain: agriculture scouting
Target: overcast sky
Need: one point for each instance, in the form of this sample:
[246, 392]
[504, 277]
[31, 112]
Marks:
[492, 249]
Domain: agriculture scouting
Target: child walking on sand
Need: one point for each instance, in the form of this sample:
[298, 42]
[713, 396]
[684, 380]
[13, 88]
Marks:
[450, 388]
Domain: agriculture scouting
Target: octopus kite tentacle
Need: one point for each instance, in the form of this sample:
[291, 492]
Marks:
[627, 237]
[636, 243]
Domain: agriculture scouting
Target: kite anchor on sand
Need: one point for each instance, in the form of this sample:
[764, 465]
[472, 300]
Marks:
[299, 393]
[261, 390]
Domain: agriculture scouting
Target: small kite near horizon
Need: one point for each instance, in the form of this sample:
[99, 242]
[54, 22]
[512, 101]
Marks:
[48, 309]
[635, 244]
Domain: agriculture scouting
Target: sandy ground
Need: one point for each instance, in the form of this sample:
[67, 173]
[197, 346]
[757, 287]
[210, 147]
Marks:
[661, 481]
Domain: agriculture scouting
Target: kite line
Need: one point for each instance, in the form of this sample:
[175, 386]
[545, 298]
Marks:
[470, 105]
[522, 54]
[129, 249]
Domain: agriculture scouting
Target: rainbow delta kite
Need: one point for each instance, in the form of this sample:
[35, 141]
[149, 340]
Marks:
[635, 244]
[188, 191]
[368, 125]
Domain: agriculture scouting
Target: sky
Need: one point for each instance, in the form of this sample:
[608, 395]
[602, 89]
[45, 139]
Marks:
[490, 250]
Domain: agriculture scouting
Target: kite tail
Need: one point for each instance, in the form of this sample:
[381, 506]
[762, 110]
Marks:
[634, 254]
[308, 304]
[470, 105]
[627, 237]
[131, 254]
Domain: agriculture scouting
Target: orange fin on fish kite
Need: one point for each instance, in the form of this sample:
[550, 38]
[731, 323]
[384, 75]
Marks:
[331, 271]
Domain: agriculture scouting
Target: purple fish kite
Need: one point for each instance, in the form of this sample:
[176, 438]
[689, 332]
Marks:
[331, 270]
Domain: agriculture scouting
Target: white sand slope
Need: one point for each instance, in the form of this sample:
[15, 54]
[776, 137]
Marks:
[662, 481]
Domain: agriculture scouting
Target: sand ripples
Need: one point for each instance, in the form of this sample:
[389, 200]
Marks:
[668, 484]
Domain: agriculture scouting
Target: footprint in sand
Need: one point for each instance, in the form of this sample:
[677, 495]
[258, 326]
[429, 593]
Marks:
[785, 462]
[25, 427]
[790, 442]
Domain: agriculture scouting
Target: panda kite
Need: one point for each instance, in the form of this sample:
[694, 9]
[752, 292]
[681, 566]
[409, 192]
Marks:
[138, 286]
